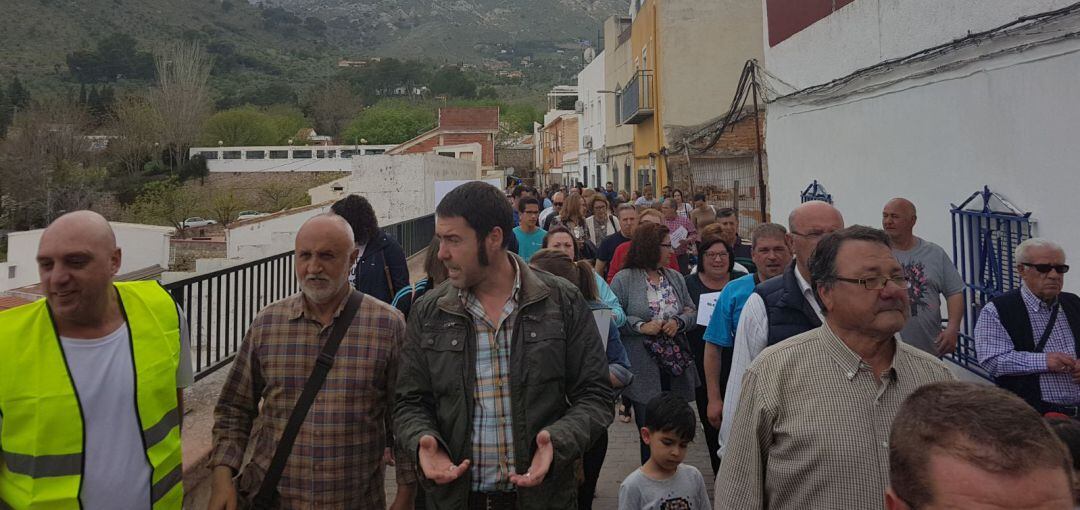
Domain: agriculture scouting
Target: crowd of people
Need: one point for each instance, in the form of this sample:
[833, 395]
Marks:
[806, 357]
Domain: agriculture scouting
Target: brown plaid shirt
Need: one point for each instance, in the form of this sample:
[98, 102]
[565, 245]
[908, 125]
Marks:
[336, 461]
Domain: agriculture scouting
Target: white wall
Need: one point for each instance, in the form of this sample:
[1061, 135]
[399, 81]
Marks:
[141, 246]
[1008, 122]
[313, 164]
[866, 32]
[593, 121]
[263, 237]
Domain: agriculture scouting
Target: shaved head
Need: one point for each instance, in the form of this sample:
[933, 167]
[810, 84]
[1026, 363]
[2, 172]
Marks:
[77, 258]
[898, 221]
[814, 211]
[902, 204]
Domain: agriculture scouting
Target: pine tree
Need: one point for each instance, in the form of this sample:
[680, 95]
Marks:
[18, 95]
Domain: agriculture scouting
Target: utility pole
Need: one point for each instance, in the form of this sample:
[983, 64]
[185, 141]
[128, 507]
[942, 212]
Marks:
[757, 131]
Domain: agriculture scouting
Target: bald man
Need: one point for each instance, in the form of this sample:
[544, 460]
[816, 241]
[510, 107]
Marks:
[932, 274]
[90, 397]
[783, 306]
[337, 459]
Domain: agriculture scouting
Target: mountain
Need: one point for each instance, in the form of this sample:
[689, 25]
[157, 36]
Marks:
[462, 29]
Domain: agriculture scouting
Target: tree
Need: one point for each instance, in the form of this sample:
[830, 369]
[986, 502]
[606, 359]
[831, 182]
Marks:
[239, 127]
[182, 96]
[6, 112]
[116, 56]
[165, 202]
[332, 106]
[453, 82]
[136, 126]
[389, 122]
[225, 206]
[276, 196]
[287, 120]
[487, 93]
[18, 95]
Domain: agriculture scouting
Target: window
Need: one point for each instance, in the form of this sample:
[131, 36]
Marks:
[325, 154]
[371, 152]
[11, 271]
[209, 154]
[279, 154]
[346, 154]
[301, 154]
[255, 155]
[230, 155]
[448, 154]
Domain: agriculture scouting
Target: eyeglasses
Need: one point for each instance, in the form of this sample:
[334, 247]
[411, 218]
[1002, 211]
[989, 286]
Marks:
[665, 245]
[809, 235]
[1045, 268]
[717, 255]
[557, 204]
[878, 282]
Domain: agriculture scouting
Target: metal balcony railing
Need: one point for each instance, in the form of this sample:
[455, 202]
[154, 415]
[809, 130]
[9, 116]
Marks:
[635, 100]
[220, 305]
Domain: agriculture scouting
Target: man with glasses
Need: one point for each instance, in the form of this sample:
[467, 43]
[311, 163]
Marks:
[932, 275]
[548, 215]
[530, 237]
[1027, 338]
[781, 307]
[812, 427]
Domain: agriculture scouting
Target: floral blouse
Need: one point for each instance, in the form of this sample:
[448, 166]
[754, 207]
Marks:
[663, 300]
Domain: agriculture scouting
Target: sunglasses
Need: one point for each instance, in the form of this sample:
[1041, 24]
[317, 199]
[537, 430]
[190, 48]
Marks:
[1045, 268]
[558, 204]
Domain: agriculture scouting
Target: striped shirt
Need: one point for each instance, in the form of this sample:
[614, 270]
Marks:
[812, 425]
[998, 354]
[336, 461]
[493, 424]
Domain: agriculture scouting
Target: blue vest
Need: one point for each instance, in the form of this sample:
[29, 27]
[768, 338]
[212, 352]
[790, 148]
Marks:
[788, 312]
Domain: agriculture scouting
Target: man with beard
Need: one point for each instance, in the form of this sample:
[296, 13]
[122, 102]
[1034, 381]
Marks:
[812, 426]
[504, 380]
[337, 459]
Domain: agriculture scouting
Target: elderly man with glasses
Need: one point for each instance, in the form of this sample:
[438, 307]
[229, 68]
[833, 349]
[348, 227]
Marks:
[812, 426]
[1027, 338]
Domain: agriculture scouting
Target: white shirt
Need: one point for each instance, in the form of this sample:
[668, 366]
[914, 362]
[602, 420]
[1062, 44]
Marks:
[117, 474]
[752, 337]
[544, 215]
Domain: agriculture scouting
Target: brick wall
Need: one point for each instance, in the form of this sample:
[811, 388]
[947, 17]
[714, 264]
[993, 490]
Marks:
[519, 159]
[480, 118]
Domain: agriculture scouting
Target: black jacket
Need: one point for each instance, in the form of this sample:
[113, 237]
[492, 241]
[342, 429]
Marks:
[381, 255]
[789, 313]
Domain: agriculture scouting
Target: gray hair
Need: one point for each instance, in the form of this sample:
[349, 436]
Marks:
[1035, 242]
[625, 206]
[768, 230]
[670, 202]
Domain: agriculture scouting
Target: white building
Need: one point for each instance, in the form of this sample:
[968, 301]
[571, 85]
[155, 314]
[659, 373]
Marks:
[927, 100]
[285, 158]
[141, 246]
[592, 156]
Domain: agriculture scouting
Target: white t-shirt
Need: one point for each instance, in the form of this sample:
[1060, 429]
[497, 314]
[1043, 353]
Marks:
[117, 473]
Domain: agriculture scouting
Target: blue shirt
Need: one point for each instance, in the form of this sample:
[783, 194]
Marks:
[725, 317]
[528, 244]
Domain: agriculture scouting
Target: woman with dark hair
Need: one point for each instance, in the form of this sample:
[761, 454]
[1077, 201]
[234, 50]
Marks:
[560, 239]
[681, 207]
[436, 274]
[381, 269]
[715, 270]
[659, 311]
[581, 274]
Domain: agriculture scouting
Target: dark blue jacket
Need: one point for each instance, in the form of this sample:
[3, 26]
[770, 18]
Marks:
[789, 313]
[381, 255]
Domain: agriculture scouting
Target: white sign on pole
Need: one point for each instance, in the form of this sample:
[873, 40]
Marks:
[705, 307]
[444, 187]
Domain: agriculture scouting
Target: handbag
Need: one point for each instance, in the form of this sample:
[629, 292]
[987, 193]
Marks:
[671, 353]
[268, 496]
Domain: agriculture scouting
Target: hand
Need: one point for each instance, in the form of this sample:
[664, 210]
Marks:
[715, 412]
[436, 463]
[222, 490]
[388, 456]
[651, 328]
[1060, 362]
[541, 462]
[671, 327]
[946, 341]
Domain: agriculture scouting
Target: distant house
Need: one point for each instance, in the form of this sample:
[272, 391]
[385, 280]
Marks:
[459, 128]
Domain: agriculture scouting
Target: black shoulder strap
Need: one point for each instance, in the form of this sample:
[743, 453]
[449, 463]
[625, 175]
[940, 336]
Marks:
[268, 491]
[1049, 328]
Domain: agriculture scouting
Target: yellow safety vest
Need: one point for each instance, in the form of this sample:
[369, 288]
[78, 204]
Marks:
[41, 442]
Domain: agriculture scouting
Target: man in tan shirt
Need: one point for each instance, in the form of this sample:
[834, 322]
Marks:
[812, 426]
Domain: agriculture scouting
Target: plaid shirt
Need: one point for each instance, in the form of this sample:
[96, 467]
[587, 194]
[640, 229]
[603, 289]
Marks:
[336, 461]
[998, 354]
[493, 424]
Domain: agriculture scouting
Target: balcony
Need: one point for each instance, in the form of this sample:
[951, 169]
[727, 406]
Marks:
[635, 100]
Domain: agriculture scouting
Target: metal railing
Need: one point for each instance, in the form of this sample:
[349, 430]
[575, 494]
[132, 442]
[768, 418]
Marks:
[221, 304]
[635, 100]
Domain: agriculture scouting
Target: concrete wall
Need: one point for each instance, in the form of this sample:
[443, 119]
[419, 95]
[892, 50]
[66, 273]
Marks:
[867, 32]
[270, 235]
[593, 122]
[333, 161]
[703, 47]
[937, 131]
[141, 246]
[618, 69]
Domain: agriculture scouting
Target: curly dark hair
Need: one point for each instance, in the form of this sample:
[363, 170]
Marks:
[361, 217]
[644, 252]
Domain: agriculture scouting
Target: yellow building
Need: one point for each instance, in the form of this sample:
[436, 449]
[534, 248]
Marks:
[687, 56]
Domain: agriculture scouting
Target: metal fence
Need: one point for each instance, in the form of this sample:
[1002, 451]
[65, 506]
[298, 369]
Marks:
[815, 191]
[730, 182]
[221, 304]
[986, 229]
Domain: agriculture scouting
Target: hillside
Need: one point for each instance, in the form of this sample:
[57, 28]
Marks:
[297, 42]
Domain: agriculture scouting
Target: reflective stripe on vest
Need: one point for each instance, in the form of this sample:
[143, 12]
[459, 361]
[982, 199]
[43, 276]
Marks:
[43, 393]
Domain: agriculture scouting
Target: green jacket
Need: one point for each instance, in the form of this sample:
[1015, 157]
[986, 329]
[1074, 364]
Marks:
[558, 382]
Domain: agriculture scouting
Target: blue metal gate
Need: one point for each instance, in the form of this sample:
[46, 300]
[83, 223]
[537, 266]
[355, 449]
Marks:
[815, 191]
[986, 230]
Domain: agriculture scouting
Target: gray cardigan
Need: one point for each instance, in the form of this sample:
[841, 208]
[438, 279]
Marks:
[630, 286]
